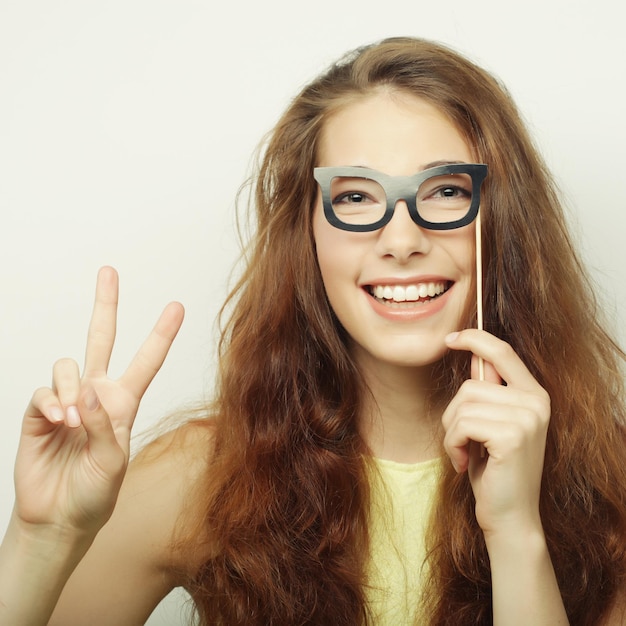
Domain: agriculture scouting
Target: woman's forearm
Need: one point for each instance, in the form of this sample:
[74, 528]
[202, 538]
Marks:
[524, 586]
[34, 567]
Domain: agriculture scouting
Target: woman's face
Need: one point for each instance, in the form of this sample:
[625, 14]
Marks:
[366, 273]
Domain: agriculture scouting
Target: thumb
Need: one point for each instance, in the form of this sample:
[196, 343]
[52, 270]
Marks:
[103, 444]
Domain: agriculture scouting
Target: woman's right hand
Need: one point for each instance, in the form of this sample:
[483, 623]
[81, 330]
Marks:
[75, 440]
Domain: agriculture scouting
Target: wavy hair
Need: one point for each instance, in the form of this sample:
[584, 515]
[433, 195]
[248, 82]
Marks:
[286, 498]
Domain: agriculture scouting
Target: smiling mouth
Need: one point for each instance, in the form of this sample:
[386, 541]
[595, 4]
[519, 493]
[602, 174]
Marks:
[408, 295]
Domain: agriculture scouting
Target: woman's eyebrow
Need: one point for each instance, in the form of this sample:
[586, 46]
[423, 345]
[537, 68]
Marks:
[440, 162]
[427, 166]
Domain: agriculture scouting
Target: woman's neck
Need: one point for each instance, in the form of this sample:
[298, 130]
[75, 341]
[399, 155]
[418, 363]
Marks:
[399, 421]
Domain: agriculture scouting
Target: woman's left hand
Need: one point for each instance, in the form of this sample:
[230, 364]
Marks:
[497, 433]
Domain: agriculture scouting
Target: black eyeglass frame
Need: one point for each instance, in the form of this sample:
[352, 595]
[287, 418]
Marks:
[401, 188]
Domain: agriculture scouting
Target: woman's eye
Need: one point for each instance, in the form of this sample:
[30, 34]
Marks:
[448, 187]
[451, 192]
[351, 198]
[357, 194]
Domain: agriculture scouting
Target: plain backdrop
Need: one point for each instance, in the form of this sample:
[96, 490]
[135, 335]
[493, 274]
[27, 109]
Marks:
[127, 127]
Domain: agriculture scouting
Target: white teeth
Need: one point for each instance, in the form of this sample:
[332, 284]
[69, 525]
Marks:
[410, 293]
[399, 294]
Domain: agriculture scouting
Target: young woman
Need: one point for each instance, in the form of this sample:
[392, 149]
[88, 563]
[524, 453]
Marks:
[371, 457]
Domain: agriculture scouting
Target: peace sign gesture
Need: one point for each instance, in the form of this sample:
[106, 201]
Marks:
[75, 440]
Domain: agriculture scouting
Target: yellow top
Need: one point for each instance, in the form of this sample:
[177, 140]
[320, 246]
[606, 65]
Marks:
[402, 498]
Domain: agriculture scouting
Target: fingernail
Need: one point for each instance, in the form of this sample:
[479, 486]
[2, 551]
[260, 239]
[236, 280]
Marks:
[56, 414]
[451, 338]
[91, 400]
[73, 416]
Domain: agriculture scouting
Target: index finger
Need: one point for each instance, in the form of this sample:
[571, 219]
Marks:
[496, 352]
[102, 327]
[149, 359]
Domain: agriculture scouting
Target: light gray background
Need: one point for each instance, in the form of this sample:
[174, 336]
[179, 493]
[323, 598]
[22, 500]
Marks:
[126, 128]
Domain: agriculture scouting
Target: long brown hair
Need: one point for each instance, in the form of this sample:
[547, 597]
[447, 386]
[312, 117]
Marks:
[287, 493]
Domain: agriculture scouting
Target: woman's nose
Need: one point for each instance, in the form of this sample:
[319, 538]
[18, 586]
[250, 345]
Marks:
[401, 237]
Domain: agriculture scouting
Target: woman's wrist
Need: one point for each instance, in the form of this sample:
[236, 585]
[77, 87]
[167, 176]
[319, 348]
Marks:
[36, 533]
[516, 536]
[524, 585]
[35, 563]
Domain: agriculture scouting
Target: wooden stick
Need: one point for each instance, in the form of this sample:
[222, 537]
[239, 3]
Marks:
[479, 290]
[479, 303]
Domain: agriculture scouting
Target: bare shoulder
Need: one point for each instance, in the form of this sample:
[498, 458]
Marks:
[136, 559]
[170, 472]
[617, 614]
[190, 444]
